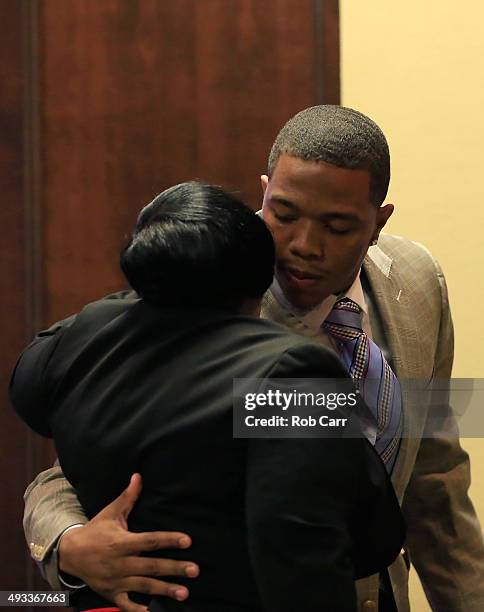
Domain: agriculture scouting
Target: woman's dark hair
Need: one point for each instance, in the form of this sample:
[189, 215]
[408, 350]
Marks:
[197, 246]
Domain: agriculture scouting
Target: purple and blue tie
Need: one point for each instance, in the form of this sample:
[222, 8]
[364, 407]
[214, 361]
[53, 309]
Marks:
[371, 374]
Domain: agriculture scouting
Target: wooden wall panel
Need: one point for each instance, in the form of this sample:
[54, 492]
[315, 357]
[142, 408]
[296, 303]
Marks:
[13, 458]
[104, 104]
[138, 96]
[21, 453]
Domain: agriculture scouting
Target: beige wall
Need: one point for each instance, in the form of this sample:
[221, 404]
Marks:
[417, 68]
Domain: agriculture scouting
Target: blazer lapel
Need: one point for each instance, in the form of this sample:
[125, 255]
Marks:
[398, 321]
[392, 301]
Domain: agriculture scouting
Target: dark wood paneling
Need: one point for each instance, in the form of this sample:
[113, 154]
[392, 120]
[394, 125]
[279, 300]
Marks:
[13, 458]
[141, 95]
[18, 452]
[327, 51]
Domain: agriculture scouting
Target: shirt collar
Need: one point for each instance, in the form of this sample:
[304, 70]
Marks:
[315, 317]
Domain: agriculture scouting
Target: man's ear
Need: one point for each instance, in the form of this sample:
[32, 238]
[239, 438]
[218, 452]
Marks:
[264, 181]
[382, 216]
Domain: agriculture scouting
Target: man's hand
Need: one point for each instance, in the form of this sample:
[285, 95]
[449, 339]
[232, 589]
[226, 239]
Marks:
[105, 555]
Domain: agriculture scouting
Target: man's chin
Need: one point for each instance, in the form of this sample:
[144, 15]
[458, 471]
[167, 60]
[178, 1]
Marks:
[303, 294]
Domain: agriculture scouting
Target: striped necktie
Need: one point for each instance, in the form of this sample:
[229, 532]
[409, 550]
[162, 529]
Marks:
[371, 374]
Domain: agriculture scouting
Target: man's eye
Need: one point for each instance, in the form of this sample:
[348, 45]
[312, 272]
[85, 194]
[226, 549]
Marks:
[284, 218]
[337, 230]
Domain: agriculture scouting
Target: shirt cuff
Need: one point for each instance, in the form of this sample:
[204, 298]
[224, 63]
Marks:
[71, 582]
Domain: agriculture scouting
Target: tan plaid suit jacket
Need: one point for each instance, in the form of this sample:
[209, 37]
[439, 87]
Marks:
[431, 475]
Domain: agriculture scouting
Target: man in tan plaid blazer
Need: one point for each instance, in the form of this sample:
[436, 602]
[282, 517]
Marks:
[328, 176]
[431, 476]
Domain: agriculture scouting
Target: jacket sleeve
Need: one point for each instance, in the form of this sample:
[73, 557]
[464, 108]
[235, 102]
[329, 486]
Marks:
[301, 495]
[443, 532]
[51, 506]
[28, 394]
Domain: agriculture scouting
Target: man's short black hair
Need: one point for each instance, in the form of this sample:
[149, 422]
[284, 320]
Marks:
[196, 246]
[340, 136]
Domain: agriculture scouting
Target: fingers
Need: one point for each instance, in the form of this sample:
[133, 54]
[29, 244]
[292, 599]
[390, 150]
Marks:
[146, 566]
[136, 543]
[125, 604]
[152, 586]
[133, 491]
[124, 503]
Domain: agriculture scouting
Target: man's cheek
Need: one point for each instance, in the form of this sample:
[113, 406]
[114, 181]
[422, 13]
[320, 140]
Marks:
[280, 243]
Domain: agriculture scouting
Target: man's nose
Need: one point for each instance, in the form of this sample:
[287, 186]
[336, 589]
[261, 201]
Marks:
[307, 241]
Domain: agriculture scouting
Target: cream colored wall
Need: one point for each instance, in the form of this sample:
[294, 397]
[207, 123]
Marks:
[417, 68]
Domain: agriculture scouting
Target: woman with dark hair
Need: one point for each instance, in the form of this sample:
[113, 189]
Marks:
[195, 246]
[145, 384]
